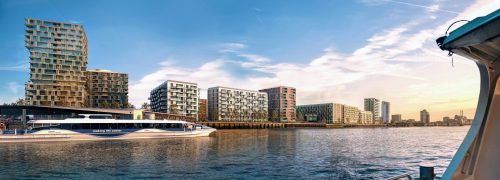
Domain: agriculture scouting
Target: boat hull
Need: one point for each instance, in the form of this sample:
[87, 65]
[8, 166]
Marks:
[66, 135]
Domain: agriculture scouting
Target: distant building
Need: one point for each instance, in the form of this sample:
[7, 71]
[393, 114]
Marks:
[386, 111]
[202, 109]
[338, 113]
[365, 117]
[373, 105]
[351, 115]
[107, 89]
[175, 97]
[424, 117]
[396, 118]
[326, 112]
[281, 102]
[58, 60]
[231, 104]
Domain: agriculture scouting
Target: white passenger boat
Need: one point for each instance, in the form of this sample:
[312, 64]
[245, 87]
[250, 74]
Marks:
[103, 126]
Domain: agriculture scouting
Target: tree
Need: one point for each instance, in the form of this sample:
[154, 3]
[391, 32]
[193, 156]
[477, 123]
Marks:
[274, 116]
[104, 104]
[173, 109]
[236, 115]
[115, 105]
[145, 106]
[20, 102]
[128, 105]
[300, 117]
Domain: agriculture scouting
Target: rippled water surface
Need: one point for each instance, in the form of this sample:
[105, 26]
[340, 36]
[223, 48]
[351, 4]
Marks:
[240, 154]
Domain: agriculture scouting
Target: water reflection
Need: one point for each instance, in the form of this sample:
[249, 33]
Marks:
[257, 154]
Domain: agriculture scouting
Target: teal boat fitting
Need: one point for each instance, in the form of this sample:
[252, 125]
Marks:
[478, 157]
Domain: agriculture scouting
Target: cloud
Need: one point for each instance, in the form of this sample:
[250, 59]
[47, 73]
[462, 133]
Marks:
[14, 87]
[231, 47]
[401, 64]
[21, 68]
[431, 8]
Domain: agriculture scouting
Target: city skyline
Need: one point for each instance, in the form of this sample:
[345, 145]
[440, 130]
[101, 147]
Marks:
[323, 72]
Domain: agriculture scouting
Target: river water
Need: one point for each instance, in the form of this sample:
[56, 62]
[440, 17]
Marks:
[352, 153]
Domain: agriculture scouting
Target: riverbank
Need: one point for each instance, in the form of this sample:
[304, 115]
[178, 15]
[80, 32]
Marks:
[272, 125]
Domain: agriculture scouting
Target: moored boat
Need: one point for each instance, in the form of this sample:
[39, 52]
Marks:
[102, 127]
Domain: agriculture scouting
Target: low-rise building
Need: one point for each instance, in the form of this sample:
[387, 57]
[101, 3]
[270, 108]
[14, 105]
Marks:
[365, 117]
[351, 114]
[232, 104]
[395, 118]
[326, 112]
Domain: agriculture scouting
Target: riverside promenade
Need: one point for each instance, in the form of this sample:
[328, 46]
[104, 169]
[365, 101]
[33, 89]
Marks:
[272, 125]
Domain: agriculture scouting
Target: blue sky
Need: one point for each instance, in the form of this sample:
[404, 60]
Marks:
[329, 50]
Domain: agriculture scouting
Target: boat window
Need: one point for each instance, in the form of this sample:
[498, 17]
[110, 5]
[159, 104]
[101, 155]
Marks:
[85, 126]
[78, 117]
[76, 126]
[100, 117]
[65, 126]
[94, 126]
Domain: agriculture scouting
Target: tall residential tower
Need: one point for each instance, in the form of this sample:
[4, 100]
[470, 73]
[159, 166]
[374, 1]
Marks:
[58, 59]
[386, 112]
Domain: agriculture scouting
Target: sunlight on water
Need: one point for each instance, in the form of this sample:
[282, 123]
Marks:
[256, 154]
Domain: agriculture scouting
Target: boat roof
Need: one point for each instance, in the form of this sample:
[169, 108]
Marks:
[471, 26]
[477, 39]
[99, 121]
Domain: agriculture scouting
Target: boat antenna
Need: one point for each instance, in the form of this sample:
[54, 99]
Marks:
[450, 53]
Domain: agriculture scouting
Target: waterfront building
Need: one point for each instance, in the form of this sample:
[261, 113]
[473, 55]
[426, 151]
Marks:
[106, 89]
[326, 112]
[175, 97]
[424, 117]
[365, 117]
[202, 110]
[386, 111]
[231, 104]
[351, 114]
[373, 105]
[338, 113]
[58, 59]
[281, 103]
[396, 118]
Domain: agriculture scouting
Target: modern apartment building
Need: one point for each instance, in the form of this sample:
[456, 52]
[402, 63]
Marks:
[396, 118]
[107, 89]
[175, 97]
[326, 112]
[202, 109]
[281, 103]
[231, 104]
[351, 114]
[373, 105]
[365, 117]
[58, 59]
[386, 111]
[424, 117]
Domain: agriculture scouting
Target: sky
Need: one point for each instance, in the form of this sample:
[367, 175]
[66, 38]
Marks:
[329, 50]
